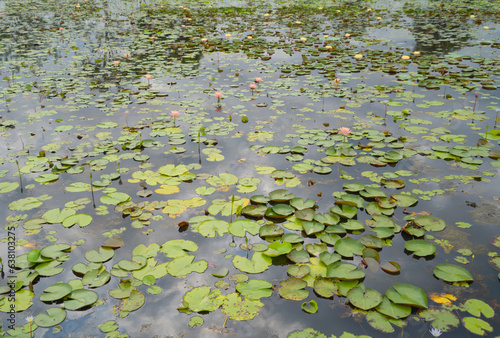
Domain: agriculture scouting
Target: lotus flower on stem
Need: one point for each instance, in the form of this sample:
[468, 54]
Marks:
[345, 131]
[174, 114]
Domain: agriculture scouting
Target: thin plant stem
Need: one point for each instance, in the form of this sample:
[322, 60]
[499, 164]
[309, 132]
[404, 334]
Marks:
[92, 190]
[20, 178]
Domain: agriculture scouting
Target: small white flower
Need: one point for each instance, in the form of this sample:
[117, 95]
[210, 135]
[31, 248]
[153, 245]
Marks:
[435, 332]
[30, 319]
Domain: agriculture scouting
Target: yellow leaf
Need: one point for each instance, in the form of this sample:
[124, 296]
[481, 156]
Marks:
[442, 298]
[167, 189]
[133, 180]
[242, 160]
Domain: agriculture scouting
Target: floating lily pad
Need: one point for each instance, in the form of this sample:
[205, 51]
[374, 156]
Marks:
[54, 316]
[420, 247]
[452, 273]
[293, 289]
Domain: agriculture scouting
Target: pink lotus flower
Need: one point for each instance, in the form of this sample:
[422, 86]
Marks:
[126, 55]
[218, 95]
[345, 131]
[252, 86]
[337, 80]
[116, 63]
[174, 113]
[153, 37]
[258, 79]
[148, 76]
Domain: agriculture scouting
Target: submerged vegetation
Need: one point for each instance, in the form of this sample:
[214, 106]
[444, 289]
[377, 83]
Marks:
[301, 169]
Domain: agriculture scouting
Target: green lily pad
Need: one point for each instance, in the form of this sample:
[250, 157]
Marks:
[379, 322]
[325, 287]
[363, 298]
[195, 321]
[300, 204]
[346, 211]
[134, 302]
[310, 307]
[81, 219]
[441, 319]
[404, 200]
[277, 249]
[293, 289]
[255, 289]
[298, 271]
[476, 325]
[344, 271]
[54, 316]
[101, 256]
[452, 273]
[55, 292]
[202, 299]
[390, 309]
[407, 294]
[209, 228]
[182, 266]
[281, 195]
[476, 307]
[430, 223]
[348, 247]
[420, 247]
[258, 210]
[258, 264]
[176, 248]
[239, 228]
[298, 256]
[238, 308]
[21, 301]
[79, 299]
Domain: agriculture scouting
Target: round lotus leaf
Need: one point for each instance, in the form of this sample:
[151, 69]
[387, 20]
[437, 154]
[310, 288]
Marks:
[452, 273]
[390, 309]
[383, 232]
[259, 199]
[281, 195]
[298, 271]
[353, 186]
[79, 299]
[298, 256]
[300, 204]
[476, 325]
[55, 251]
[277, 249]
[55, 292]
[348, 247]
[310, 307]
[48, 269]
[329, 257]
[430, 223]
[255, 288]
[420, 247]
[293, 289]
[390, 267]
[327, 218]
[407, 294]
[364, 299]
[258, 210]
[292, 238]
[305, 214]
[54, 316]
[344, 271]
[103, 255]
[283, 210]
[325, 287]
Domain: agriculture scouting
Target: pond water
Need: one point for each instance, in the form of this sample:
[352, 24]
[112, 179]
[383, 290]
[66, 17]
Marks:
[345, 183]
